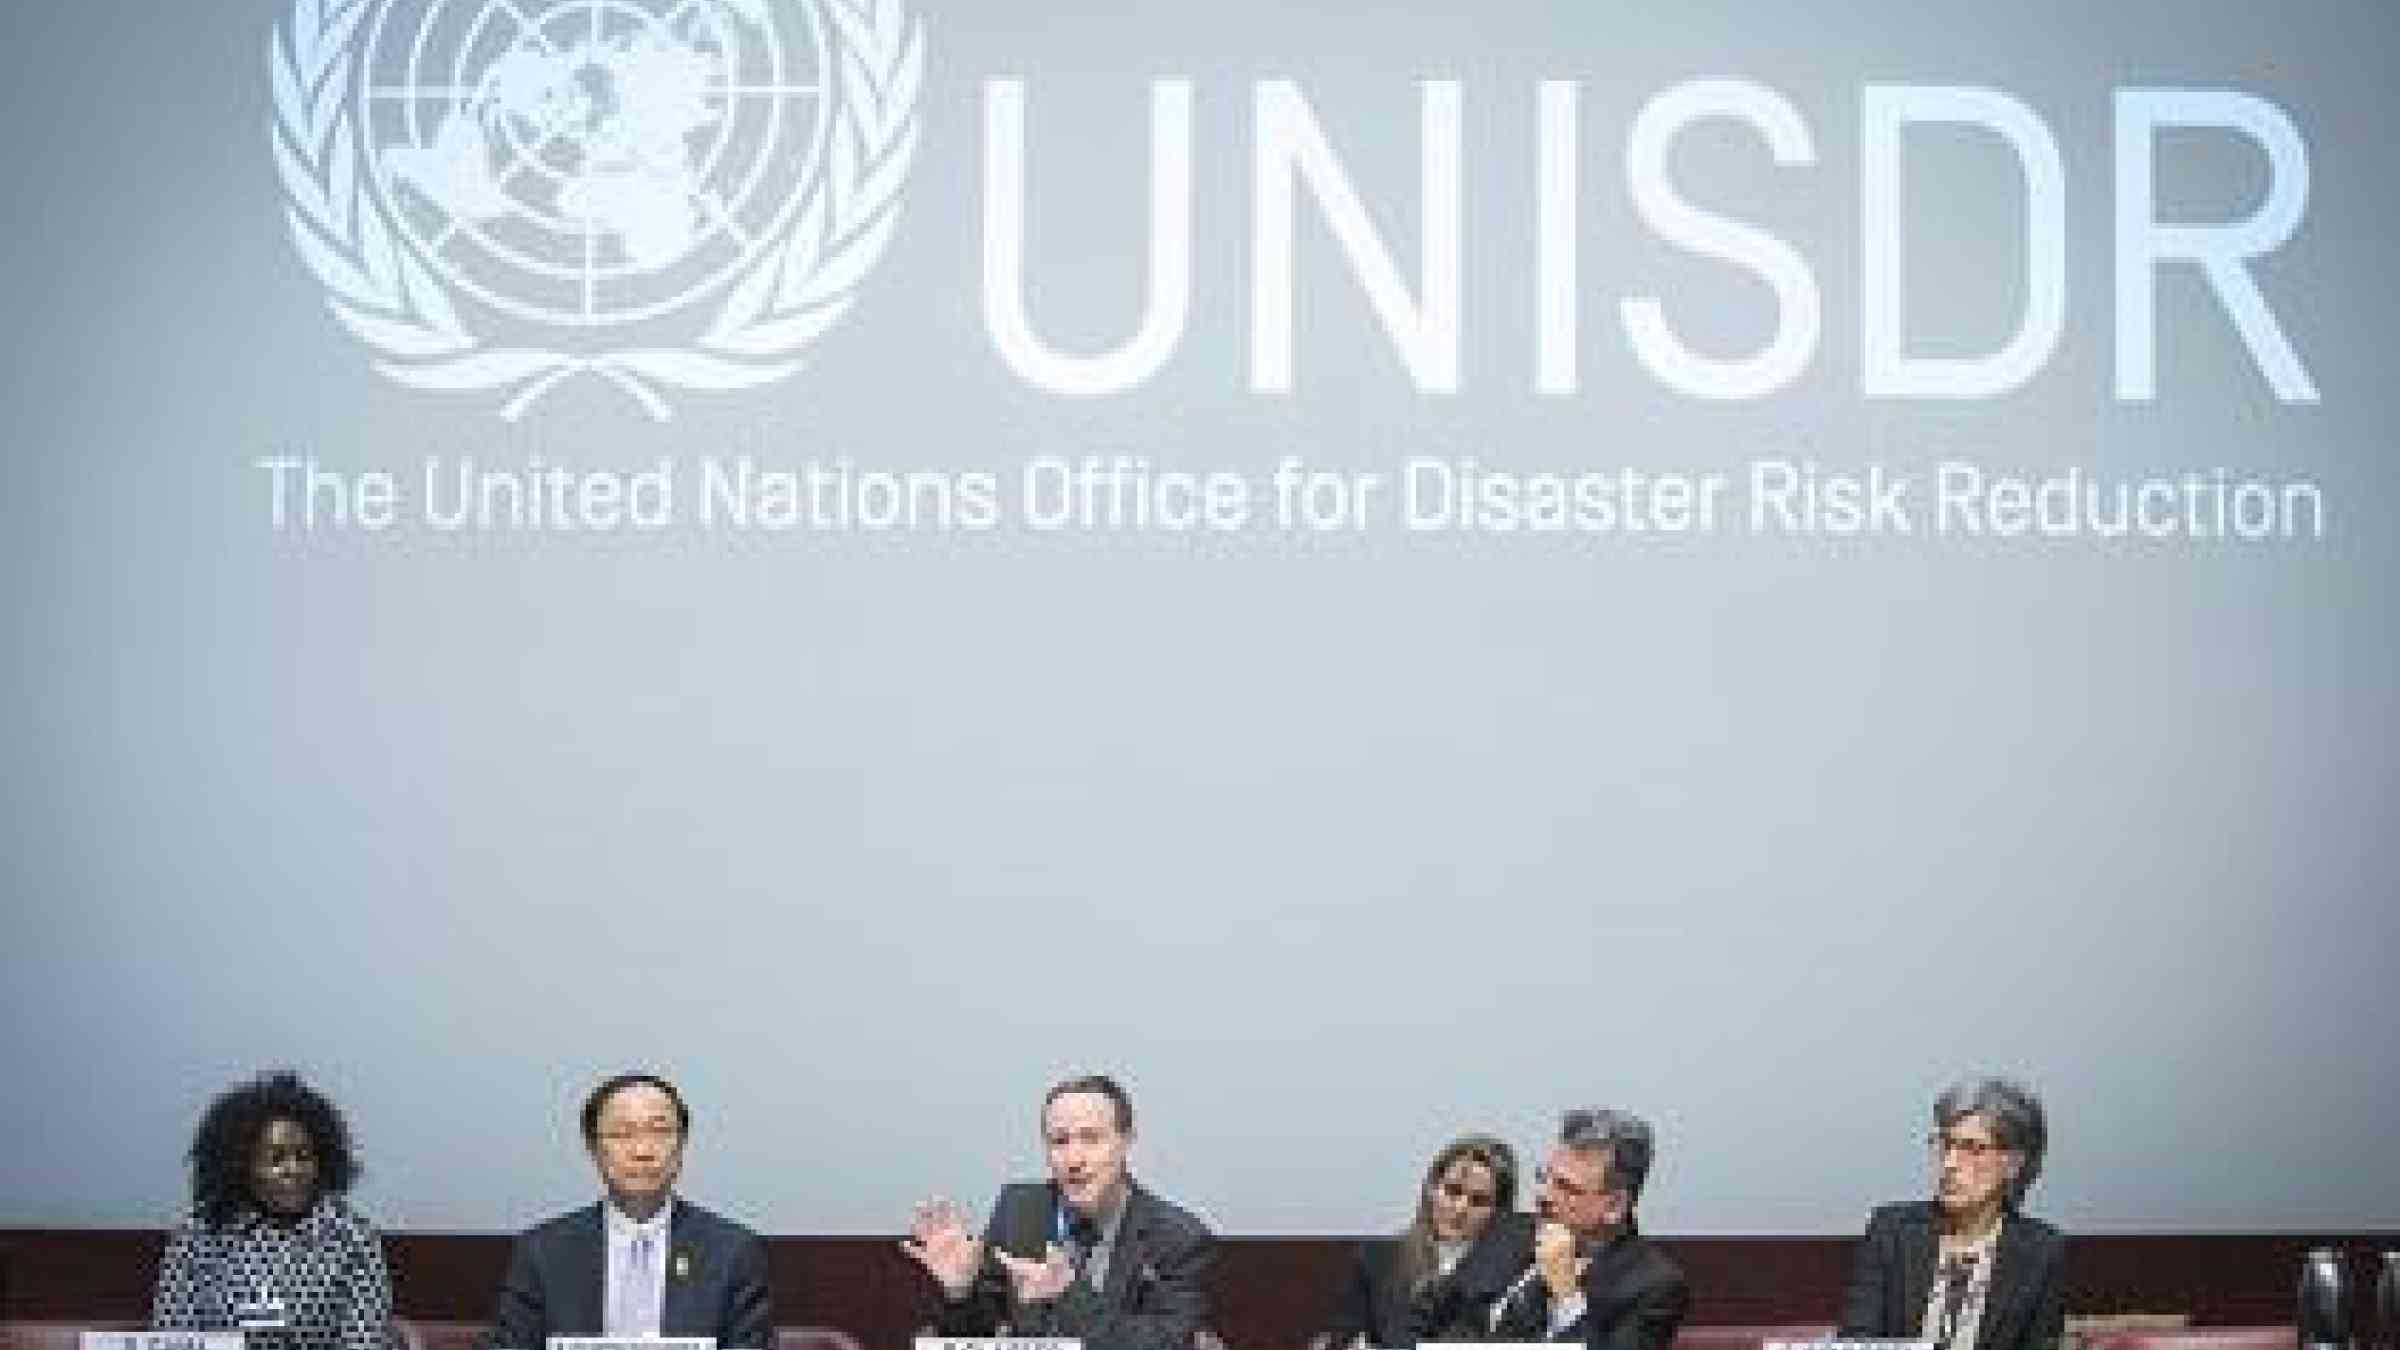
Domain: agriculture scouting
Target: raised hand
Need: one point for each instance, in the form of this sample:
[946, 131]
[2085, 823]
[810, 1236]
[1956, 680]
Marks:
[942, 1242]
[1038, 1281]
[1554, 1252]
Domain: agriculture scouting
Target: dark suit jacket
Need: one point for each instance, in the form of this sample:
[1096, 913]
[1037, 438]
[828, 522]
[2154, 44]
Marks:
[1373, 1304]
[558, 1279]
[1892, 1276]
[1452, 1307]
[1634, 1297]
[1157, 1289]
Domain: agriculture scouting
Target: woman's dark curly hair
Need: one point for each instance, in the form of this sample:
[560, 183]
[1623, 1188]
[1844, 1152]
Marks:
[228, 1135]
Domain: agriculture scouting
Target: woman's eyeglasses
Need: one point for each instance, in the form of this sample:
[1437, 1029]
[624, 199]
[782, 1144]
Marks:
[1975, 1150]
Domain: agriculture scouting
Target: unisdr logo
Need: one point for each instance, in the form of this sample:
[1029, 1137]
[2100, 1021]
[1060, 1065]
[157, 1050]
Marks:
[502, 195]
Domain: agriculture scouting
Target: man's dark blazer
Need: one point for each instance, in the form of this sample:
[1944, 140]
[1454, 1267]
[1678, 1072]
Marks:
[1157, 1286]
[557, 1282]
[1373, 1305]
[2025, 1307]
[1452, 1307]
[1634, 1298]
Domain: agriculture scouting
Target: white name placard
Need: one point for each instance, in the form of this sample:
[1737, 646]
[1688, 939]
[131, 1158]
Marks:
[999, 1343]
[162, 1340]
[1487, 1345]
[633, 1343]
[1863, 1343]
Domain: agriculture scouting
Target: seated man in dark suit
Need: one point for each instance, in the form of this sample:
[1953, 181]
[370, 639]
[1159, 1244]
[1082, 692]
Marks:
[640, 1262]
[1592, 1277]
[1089, 1253]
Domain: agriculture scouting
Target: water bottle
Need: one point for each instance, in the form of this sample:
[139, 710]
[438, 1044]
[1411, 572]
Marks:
[2387, 1302]
[2324, 1312]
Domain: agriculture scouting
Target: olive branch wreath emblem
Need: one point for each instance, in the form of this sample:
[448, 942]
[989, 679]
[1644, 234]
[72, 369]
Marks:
[798, 286]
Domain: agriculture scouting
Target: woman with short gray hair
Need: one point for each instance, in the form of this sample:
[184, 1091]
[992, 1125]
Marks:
[1967, 1269]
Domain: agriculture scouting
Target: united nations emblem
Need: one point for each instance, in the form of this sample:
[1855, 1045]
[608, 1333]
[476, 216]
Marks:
[499, 195]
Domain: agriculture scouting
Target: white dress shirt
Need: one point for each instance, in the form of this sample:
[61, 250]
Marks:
[1104, 1250]
[637, 1271]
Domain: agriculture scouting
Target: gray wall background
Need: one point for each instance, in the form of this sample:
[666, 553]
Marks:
[1332, 849]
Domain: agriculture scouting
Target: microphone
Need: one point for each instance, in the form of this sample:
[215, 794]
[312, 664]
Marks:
[1500, 1306]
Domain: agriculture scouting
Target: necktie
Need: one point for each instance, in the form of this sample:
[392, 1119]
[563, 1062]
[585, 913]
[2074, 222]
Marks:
[1958, 1276]
[633, 1290]
[1083, 1236]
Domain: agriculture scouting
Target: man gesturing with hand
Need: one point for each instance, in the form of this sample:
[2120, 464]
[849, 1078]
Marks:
[1088, 1253]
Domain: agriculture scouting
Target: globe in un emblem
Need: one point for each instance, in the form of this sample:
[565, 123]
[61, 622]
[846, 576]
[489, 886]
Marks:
[730, 169]
[590, 162]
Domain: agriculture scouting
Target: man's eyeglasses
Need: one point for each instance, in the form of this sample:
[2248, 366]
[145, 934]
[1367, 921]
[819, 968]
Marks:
[622, 1135]
[1572, 1190]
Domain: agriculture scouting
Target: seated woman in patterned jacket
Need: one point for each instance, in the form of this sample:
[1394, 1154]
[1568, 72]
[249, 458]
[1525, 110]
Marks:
[272, 1248]
[1967, 1269]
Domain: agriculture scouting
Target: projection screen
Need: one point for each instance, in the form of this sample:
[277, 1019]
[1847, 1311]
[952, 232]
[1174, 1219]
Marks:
[1374, 570]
